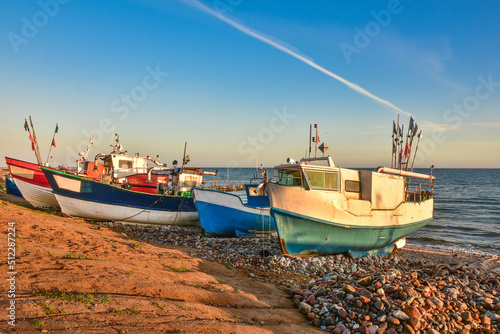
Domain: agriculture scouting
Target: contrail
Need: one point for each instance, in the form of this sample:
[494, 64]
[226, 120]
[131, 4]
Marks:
[280, 46]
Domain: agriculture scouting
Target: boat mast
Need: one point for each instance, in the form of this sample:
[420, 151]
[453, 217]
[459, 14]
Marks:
[310, 138]
[52, 143]
[37, 149]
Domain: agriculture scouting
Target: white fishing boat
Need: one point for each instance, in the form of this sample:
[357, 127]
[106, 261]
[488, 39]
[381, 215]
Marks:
[320, 208]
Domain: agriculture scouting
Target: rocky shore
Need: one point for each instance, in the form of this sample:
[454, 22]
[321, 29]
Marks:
[409, 292]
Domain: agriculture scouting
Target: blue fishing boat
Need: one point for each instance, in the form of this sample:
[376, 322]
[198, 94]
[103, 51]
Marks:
[223, 213]
[322, 209]
[85, 198]
[11, 186]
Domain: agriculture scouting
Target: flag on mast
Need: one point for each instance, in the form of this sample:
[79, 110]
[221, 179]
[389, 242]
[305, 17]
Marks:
[32, 143]
[53, 142]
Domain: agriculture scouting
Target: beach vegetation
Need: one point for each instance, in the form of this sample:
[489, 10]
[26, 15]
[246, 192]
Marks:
[105, 300]
[51, 253]
[228, 266]
[162, 307]
[47, 308]
[136, 245]
[134, 310]
[39, 323]
[115, 310]
[180, 269]
[76, 256]
[128, 273]
[85, 298]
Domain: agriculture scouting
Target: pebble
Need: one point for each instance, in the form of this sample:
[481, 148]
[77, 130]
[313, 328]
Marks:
[344, 295]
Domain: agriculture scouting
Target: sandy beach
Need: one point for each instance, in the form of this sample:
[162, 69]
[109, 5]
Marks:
[74, 276]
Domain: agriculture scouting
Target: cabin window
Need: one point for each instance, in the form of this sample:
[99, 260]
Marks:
[331, 181]
[290, 178]
[317, 179]
[322, 180]
[125, 164]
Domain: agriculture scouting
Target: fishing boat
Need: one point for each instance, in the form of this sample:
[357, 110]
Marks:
[29, 179]
[321, 208]
[32, 183]
[172, 204]
[224, 213]
[11, 187]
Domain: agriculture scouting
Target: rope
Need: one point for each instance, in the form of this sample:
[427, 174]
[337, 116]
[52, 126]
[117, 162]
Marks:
[159, 199]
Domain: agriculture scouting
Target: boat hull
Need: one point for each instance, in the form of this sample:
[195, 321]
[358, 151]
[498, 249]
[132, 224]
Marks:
[325, 222]
[11, 187]
[80, 197]
[302, 235]
[222, 213]
[32, 184]
[120, 213]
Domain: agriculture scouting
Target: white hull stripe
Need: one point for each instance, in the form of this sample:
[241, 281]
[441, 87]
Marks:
[107, 212]
[38, 196]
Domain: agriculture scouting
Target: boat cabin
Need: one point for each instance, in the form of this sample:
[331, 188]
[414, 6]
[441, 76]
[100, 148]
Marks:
[382, 189]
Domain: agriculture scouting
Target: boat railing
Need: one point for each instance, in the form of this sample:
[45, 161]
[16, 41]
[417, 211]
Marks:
[224, 185]
[419, 192]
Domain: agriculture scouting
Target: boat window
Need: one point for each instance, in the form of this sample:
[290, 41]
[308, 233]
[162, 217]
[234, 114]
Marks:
[322, 180]
[125, 164]
[290, 178]
[352, 186]
[317, 179]
[331, 181]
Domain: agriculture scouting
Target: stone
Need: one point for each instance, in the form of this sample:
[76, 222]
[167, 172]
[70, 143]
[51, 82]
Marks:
[407, 329]
[363, 330]
[414, 316]
[401, 315]
[304, 308]
[382, 318]
[329, 321]
[321, 292]
[392, 320]
[310, 299]
[379, 306]
[366, 294]
[342, 313]
[382, 328]
[466, 316]
[341, 328]
[365, 281]
[373, 329]
[349, 289]
[364, 300]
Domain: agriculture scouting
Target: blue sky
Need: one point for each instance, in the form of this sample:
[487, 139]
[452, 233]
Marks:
[230, 75]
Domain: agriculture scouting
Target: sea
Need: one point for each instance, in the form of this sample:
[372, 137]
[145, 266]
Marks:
[466, 209]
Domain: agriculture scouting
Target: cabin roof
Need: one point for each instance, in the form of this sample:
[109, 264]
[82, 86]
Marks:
[318, 161]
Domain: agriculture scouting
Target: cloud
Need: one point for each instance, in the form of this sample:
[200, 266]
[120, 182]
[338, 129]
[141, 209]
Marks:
[277, 44]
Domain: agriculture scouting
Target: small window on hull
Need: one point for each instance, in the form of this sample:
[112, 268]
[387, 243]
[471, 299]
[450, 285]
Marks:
[352, 186]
